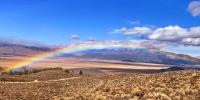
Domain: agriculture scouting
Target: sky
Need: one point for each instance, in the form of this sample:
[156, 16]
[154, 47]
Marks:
[59, 22]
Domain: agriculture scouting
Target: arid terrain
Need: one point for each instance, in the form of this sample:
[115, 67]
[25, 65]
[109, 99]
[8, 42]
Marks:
[56, 84]
[66, 78]
[71, 63]
[99, 49]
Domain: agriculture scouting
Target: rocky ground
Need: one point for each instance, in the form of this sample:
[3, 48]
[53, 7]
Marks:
[179, 85]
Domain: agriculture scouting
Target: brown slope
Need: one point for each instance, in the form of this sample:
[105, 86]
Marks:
[20, 50]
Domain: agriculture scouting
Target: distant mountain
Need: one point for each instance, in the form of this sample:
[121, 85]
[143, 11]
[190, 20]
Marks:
[136, 55]
[144, 55]
[198, 57]
[177, 68]
[7, 49]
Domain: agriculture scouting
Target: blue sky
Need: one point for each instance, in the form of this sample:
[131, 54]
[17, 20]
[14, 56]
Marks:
[55, 21]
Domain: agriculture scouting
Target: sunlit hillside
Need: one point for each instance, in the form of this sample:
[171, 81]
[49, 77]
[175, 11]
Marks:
[58, 84]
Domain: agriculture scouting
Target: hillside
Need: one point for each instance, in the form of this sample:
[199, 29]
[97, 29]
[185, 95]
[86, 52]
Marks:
[144, 55]
[179, 85]
[136, 55]
[20, 50]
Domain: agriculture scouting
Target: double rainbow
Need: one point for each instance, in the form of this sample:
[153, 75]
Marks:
[68, 49]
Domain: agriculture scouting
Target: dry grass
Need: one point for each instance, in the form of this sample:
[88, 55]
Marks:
[41, 75]
[180, 85]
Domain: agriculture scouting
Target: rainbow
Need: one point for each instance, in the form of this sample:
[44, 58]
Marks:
[68, 49]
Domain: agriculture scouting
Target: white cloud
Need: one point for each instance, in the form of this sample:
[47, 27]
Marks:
[170, 33]
[74, 37]
[194, 8]
[194, 32]
[91, 39]
[174, 33]
[191, 41]
[117, 43]
[189, 36]
[133, 31]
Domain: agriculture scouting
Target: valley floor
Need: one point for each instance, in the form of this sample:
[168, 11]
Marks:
[57, 85]
[73, 63]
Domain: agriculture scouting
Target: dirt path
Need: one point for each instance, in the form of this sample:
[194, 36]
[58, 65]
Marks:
[36, 81]
[98, 86]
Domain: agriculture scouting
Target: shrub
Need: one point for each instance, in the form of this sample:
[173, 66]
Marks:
[66, 70]
[139, 94]
[4, 73]
[80, 73]
[28, 70]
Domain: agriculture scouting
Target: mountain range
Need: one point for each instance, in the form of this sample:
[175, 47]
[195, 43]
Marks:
[136, 55]
[120, 54]
[7, 49]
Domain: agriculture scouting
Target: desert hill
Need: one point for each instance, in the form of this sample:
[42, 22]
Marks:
[177, 85]
[7, 49]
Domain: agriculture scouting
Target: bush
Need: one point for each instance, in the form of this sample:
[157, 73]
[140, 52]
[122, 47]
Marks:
[66, 70]
[26, 70]
[80, 73]
[4, 73]
[139, 94]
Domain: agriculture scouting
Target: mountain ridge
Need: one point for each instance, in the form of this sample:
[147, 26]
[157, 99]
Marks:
[7, 49]
[136, 55]
[144, 55]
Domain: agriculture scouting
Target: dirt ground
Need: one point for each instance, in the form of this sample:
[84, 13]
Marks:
[178, 85]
